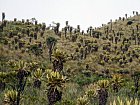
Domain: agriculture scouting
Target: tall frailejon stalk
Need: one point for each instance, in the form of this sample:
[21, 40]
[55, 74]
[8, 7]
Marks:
[67, 22]
[66, 28]
[50, 41]
[111, 24]
[22, 74]
[90, 30]
[56, 29]
[70, 29]
[126, 16]
[78, 28]
[43, 26]
[137, 13]
[3, 16]
[133, 12]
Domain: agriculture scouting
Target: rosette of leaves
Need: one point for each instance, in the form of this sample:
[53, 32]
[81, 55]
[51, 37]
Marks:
[10, 97]
[125, 101]
[82, 100]
[37, 77]
[33, 66]
[116, 82]
[91, 91]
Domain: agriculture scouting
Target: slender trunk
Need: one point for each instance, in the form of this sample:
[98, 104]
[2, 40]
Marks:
[2, 85]
[103, 95]
[37, 83]
[115, 88]
[18, 97]
[19, 91]
[136, 81]
[54, 95]
[22, 84]
[50, 54]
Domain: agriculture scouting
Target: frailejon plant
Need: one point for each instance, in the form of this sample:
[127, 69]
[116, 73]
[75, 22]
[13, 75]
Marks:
[21, 68]
[37, 77]
[82, 100]
[91, 92]
[78, 28]
[56, 29]
[59, 59]
[55, 83]
[3, 16]
[10, 97]
[125, 101]
[51, 42]
[103, 91]
[116, 82]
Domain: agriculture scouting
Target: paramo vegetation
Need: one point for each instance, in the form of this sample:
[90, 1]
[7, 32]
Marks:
[46, 65]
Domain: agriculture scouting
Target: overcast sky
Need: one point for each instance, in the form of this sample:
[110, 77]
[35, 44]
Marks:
[78, 12]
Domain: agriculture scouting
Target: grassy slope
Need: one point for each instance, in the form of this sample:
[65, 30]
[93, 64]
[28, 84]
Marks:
[72, 67]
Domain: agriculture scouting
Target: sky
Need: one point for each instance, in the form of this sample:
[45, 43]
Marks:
[78, 12]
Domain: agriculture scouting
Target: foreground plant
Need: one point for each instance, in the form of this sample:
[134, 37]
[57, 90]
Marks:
[103, 91]
[83, 100]
[126, 101]
[37, 75]
[55, 82]
[91, 91]
[10, 97]
[116, 82]
[22, 73]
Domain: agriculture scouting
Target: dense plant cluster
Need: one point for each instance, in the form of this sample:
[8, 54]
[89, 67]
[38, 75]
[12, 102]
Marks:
[43, 65]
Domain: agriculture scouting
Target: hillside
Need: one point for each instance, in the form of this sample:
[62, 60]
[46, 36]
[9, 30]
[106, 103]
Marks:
[105, 57]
